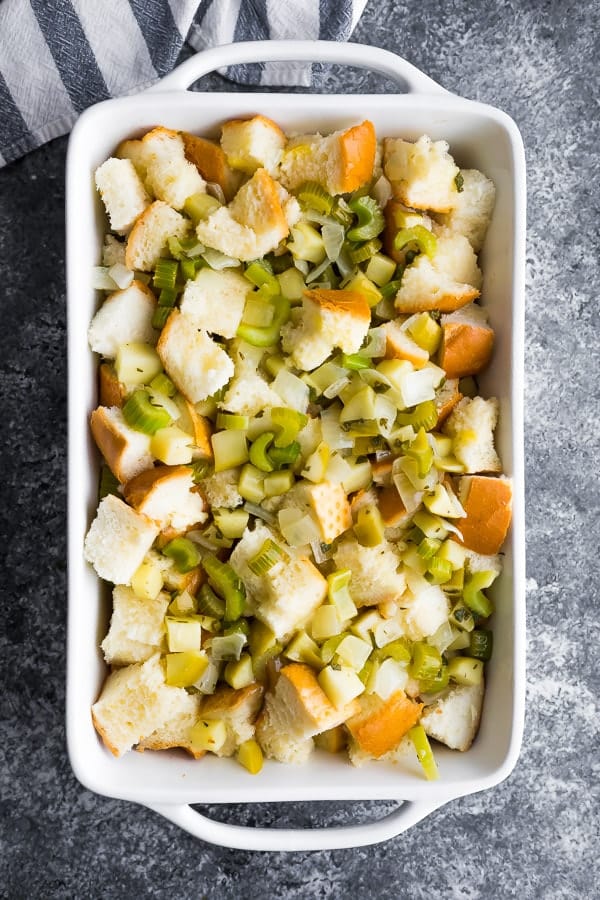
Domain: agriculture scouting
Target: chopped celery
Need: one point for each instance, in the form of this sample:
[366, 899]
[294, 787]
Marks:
[426, 661]
[370, 219]
[425, 240]
[231, 422]
[368, 527]
[355, 362]
[269, 335]
[184, 554]
[284, 456]
[141, 414]
[329, 647]
[399, 650]
[259, 452]
[481, 644]
[473, 595]
[108, 483]
[165, 274]
[258, 313]
[420, 450]
[163, 385]
[289, 422]
[291, 284]
[428, 548]
[424, 752]
[250, 756]
[365, 251]
[231, 522]
[268, 556]
[230, 449]
[312, 196]
[160, 316]
[209, 603]
[225, 580]
[439, 569]
[258, 275]
[200, 206]
[438, 683]
[466, 670]
[239, 673]
[462, 617]
[183, 669]
[339, 593]
[167, 298]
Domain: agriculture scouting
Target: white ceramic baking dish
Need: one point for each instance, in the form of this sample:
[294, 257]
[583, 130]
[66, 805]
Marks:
[168, 782]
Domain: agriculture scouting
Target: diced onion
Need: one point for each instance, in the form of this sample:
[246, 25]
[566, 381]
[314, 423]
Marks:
[319, 552]
[302, 266]
[317, 271]
[377, 342]
[333, 239]
[382, 191]
[218, 260]
[334, 389]
[121, 275]
[215, 190]
[297, 528]
[256, 510]
[101, 280]
[292, 390]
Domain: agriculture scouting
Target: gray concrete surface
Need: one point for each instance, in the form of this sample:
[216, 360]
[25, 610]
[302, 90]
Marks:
[537, 834]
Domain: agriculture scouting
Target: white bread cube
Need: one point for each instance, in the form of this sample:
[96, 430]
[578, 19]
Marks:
[113, 251]
[471, 426]
[125, 317]
[215, 301]
[341, 162]
[122, 192]
[161, 162]
[448, 281]
[195, 363]
[251, 144]
[329, 319]
[473, 208]
[118, 539]
[176, 731]
[168, 496]
[287, 595]
[421, 173]
[147, 240]
[294, 711]
[248, 392]
[221, 490]
[454, 718]
[126, 451]
[375, 576]
[136, 628]
[252, 225]
[238, 709]
[134, 702]
[426, 611]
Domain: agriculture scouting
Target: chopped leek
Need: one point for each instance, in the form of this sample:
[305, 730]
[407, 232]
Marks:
[268, 556]
[258, 452]
[312, 196]
[184, 553]
[227, 583]
[165, 274]
[141, 414]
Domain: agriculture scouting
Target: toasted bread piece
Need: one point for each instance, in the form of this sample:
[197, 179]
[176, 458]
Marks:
[375, 578]
[126, 451]
[111, 391]
[200, 427]
[467, 342]
[296, 710]
[122, 192]
[125, 317]
[134, 703]
[175, 732]
[473, 208]
[421, 173]
[168, 174]
[137, 627]
[238, 709]
[471, 426]
[454, 718]
[329, 318]
[211, 162]
[392, 509]
[398, 216]
[488, 505]
[379, 725]
[215, 301]
[446, 399]
[340, 162]
[251, 144]
[147, 240]
[253, 224]
[168, 496]
[196, 364]
[286, 596]
[400, 345]
[117, 540]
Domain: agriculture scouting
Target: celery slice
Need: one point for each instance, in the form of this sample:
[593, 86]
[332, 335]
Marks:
[481, 644]
[184, 554]
[141, 414]
[228, 584]
[268, 556]
[258, 275]
[165, 274]
[370, 219]
[231, 422]
[424, 752]
[259, 452]
[425, 240]
[365, 251]
[289, 422]
[312, 196]
[426, 661]
[200, 206]
[209, 604]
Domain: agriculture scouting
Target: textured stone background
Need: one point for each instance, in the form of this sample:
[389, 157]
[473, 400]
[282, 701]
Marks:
[537, 834]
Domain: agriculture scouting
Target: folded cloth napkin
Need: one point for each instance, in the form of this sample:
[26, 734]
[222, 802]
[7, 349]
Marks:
[57, 57]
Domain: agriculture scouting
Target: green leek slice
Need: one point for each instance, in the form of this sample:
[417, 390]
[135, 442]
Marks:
[227, 583]
[312, 196]
[184, 553]
[268, 556]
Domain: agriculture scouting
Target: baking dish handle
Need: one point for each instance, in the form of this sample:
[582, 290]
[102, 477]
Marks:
[239, 837]
[411, 79]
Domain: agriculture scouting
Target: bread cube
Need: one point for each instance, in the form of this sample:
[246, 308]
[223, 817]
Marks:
[379, 725]
[196, 364]
[160, 156]
[176, 731]
[341, 162]
[136, 628]
[329, 319]
[446, 398]
[147, 240]
[426, 610]
[421, 173]
[122, 192]
[221, 490]
[238, 709]
[453, 719]
[251, 144]
[472, 211]
[117, 540]
[215, 301]
[488, 505]
[168, 496]
[125, 317]
[248, 392]
[126, 451]
[467, 342]
[471, 426]
[375, 576]
[211, 162]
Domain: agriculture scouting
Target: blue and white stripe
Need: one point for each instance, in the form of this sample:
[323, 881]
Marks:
[57, 57]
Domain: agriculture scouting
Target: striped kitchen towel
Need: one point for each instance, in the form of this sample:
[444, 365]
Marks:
[57, 57]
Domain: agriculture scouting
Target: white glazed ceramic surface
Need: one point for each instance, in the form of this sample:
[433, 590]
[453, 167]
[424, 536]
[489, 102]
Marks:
[481, 137]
